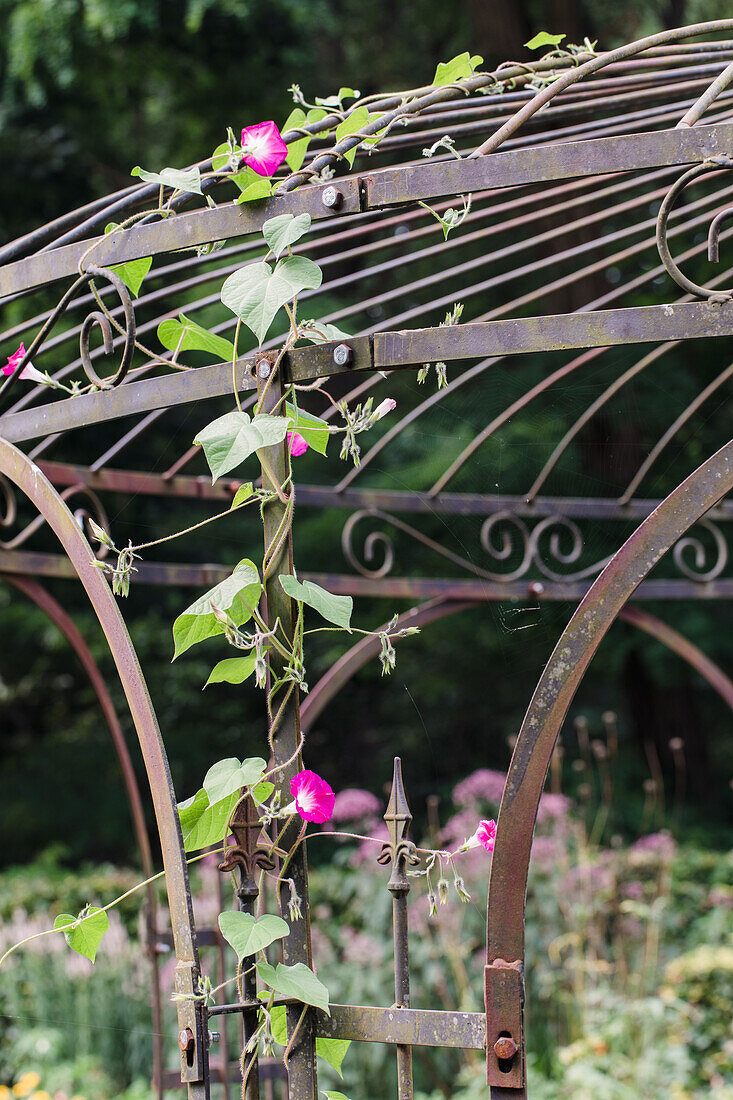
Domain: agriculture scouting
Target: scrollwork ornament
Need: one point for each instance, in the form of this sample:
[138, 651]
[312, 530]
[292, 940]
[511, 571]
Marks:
[557, 527]
[700, 554]
[373, 541]
[504, 524]
[711, 164]
[98, 318]
[93, 509]
[8, 503]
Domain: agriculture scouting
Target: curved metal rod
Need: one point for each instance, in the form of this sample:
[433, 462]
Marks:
[523, 300]
[18, 469]
[331, 683]
[553, 695]
[602, 400]
[365, 649]
[711, 165]
[43, 599]
[711, 93]
[683, 647]
[599, 62]
[670, 433]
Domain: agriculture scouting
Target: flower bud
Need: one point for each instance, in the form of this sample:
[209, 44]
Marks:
[386, 406]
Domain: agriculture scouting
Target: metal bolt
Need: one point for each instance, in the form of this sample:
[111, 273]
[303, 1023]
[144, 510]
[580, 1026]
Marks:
[505, 1048]
[186, 1040]
[536, 588]
[332, 197]
[214, 1037]
[264, 368]
[342, 355]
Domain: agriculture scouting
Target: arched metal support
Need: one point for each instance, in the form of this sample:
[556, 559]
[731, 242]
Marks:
[683, 647]
[28, 478]
[355, 658]
[560, 679]
[43, 599]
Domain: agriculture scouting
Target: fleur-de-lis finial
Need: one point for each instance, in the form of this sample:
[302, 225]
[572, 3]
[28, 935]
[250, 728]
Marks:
[400, 851]
[249, 850]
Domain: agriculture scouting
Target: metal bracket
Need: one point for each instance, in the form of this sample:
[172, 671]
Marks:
[191, 1019]
[504, 998]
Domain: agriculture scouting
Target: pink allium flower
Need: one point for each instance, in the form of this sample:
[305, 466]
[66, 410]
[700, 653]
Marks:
[314, 798]
[353, 804]
[486, 834]
[298, 445]
[263, 149]
[29, 372]
[484, 785]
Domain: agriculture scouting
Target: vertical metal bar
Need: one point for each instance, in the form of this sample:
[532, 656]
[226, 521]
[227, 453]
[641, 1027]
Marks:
[223, 1041]
[286, 737]
[248, 854]
[400, 852]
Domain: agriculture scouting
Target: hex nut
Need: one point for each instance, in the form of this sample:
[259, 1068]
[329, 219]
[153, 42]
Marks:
[343, 355]
[263, 368]
[331, 197]
[505, 1048]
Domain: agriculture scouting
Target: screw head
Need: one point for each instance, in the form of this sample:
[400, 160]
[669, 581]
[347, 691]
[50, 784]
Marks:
[214, 1037]
[505, 1048]
[342, 355]
[186, 1040]
[331, 197]
[264, 367]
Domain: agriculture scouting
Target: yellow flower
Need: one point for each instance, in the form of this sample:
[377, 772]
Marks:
[77, 1096]
[5, 1092]
[40, 1095]
[26, 1083]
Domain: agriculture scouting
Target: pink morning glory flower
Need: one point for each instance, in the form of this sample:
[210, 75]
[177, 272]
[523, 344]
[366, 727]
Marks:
[314, 798]
[29, 372]
[486, 834]
[298, 445]
[263, 149]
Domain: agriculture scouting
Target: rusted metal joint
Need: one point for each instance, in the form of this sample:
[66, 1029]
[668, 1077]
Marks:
[332, 197]
[505, 1048]
[343, 355]
[187, 1043]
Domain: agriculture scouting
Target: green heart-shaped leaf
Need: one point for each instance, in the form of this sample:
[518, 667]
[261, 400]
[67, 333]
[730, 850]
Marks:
[232, 438]
[458, 68]
[182, 179]
[284, 230]
[185, 335]
[248, 935]
[314, 430]
[544, 39]
[227, 776]
[232, 670]
[84, 933]
[237, 595]
[255, 293]
[335, 609]
[297, 981]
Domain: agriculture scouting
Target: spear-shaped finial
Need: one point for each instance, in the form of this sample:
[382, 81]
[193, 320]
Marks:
[400, 851]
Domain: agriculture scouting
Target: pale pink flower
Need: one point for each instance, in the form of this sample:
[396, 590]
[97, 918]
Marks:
[263, 149]
[314, 798]
[353, 804]
[387, 406]
[298, 445]
[29, 372]
[486, 834]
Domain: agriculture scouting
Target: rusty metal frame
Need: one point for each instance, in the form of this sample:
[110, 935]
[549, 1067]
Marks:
[61, 619]
[28, 478]
[350, 209]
